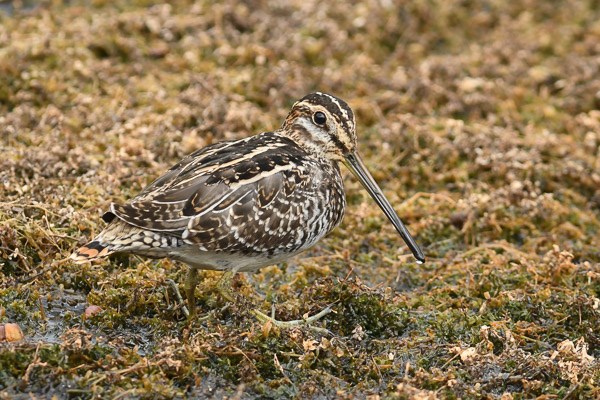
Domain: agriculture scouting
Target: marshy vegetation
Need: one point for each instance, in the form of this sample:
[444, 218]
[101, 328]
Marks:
[480, 119]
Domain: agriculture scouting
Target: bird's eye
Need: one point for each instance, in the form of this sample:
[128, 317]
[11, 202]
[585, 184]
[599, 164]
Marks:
[319, 118]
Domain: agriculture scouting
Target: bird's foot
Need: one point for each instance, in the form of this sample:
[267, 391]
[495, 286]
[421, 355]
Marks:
[305, 321]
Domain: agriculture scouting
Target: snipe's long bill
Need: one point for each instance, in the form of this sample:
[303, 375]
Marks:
[245, 204]
[356, 165]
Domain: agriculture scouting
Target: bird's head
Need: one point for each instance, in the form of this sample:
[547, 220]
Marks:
[324, 125]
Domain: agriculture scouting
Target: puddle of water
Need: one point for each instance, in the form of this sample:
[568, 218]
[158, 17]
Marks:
[62, 301]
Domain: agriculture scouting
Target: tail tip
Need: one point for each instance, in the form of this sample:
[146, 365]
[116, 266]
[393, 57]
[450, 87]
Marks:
[89, 252]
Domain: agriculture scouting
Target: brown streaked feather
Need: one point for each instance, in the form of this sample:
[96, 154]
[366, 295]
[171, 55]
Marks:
[208, 180]
[268, 188]
[285, 224]
[252, 197]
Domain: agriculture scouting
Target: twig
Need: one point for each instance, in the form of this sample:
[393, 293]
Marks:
[280, 368]
[419, 195]
[571, 391]
[35, 363]
[449, 361]
[502, 246]
[173, 286]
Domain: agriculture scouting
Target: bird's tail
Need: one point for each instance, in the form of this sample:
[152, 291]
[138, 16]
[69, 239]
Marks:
[117, 236]
[91, 251]
[122, 237]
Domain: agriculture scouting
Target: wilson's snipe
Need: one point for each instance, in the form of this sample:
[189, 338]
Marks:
[245, 204]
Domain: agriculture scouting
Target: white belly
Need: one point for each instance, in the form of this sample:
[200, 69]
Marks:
[200, 259]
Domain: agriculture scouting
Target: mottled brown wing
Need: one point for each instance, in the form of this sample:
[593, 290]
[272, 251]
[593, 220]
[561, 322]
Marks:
[245, 173]
[261, 220]
[159, 206]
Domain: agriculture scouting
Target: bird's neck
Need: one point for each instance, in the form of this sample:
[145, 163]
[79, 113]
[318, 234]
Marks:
[309, 139]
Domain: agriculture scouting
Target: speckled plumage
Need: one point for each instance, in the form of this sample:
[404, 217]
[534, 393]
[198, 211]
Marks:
[244, 204]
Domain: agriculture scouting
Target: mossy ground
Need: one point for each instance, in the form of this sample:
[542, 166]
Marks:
[480, 119]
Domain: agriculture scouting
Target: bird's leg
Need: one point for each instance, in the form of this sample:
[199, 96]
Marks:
[190, 286]
[298, 322]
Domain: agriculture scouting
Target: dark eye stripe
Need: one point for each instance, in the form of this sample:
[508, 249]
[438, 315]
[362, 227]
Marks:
[338, 143]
